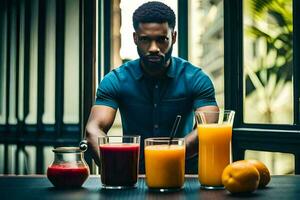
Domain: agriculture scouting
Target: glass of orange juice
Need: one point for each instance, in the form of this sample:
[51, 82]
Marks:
[214, 134]
[165, 163]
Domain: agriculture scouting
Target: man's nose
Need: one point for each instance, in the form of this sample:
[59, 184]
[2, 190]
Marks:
[153, 47]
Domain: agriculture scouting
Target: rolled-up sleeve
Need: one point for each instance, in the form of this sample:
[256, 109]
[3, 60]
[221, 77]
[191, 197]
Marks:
[203, 91]
[108, 91]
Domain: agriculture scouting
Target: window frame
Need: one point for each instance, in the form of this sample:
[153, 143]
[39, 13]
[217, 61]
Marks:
[42, 134]
[262, 137]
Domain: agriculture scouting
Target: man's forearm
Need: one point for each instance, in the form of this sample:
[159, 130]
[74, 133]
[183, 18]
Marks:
[191, 141]
[92, 134]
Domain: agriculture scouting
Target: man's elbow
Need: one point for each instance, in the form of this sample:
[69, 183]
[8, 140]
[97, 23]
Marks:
[92, 130]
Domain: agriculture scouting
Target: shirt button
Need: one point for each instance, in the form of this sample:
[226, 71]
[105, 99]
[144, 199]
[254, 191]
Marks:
[156, 86]
[155, 126]
[155, 105]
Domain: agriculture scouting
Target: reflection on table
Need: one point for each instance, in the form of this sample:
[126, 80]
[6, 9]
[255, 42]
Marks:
[38, 187]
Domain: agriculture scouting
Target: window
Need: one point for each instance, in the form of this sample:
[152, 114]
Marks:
[206, 41]
[242, 55]
[45, 92]
[268, 61]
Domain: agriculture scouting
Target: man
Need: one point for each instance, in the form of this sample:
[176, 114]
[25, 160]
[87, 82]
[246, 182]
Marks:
[152, 90]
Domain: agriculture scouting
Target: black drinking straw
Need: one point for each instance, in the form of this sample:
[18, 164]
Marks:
[175, 127]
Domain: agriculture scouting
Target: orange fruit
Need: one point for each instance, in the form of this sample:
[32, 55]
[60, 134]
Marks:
[263, 172]
[240, 177]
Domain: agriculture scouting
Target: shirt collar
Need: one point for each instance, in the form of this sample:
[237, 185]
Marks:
[172, 70]
[138, 72]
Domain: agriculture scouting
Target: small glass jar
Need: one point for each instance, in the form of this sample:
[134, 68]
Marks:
[69, 169]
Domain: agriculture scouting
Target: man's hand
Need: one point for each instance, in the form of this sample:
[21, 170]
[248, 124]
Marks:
[100, 121]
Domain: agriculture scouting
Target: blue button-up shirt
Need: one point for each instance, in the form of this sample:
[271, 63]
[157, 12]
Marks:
[149, 106]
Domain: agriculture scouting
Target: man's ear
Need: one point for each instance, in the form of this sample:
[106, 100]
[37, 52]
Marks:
[174, 37]
[135, 38]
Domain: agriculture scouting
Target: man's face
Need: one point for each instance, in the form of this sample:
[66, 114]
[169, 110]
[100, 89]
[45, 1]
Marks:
[154, 45]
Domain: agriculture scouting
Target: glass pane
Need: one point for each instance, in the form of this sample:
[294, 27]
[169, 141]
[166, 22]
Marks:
[33, 62]
[27, 163]
[71, 73]
[277, 163]
[48, 157]
[3, 55]
[1, 158]
[49, 114]
[206, 41]
[12, 53]
[268, 56]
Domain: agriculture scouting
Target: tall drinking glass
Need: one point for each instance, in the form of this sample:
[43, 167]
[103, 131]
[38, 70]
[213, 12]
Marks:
[214, 134]
[119, 157]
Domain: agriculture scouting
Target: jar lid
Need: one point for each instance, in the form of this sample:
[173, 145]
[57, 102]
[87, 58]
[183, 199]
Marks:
[67, 150]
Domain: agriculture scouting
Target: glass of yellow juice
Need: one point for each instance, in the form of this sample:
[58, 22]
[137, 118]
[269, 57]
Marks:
[165, 163]
[214, 135]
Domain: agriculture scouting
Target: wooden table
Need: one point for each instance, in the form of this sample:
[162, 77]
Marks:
[38, 187]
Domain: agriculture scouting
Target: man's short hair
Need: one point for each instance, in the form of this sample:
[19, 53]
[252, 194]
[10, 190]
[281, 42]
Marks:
[153, 11]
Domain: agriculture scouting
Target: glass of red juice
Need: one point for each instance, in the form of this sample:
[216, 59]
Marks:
[119, 156]
[69, 169]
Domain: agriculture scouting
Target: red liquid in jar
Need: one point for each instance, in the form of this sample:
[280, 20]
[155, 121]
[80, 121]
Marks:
[119, 164]
[67, 176]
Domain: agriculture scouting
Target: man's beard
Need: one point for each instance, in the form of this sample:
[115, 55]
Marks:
[155, 63]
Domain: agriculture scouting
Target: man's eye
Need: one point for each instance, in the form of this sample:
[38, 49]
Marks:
[162, 39]
[144, 39]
